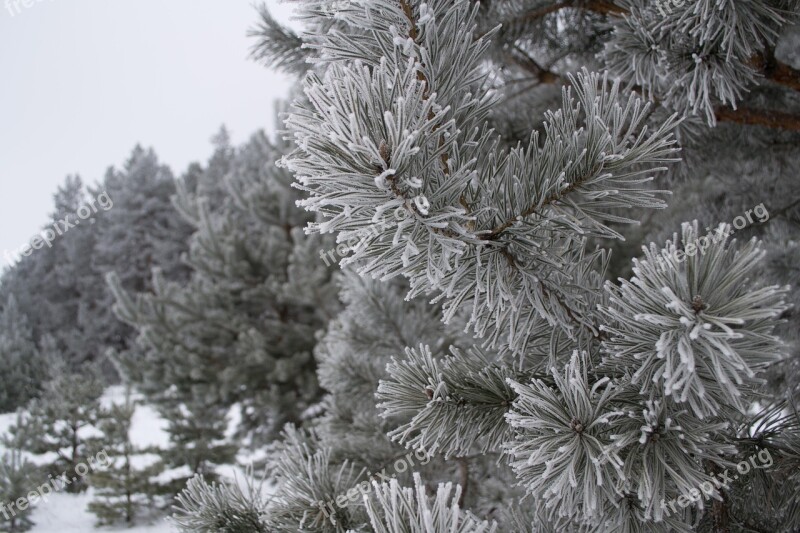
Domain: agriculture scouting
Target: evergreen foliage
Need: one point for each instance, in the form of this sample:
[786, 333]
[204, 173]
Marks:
[605, 400]
[132, 228]
[321, 472]
[142, 232]
[197, 442]
[143, 227]
[122, 488]
[59, 423]
[415, 509]
[242, 329]
[219, 508]
[17, 478]
[21, 360]
[499, 358]
[48, 286]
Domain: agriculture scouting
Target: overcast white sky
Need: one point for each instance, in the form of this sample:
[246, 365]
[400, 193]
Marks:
[83, 81]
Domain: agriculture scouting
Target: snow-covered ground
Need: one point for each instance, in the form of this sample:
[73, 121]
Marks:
[67, 513]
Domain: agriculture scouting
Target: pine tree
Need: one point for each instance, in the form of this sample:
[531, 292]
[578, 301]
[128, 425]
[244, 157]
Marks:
[122, 488]
[198, 442]
[60, 287]
[606, 400]
[21, 361]
[731, 68]
[209, 181]
[242, 329]
[43, 282]
[142, 231]
[345, 444]
[17, 478]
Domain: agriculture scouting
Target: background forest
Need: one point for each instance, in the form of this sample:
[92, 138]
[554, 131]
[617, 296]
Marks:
[520, 265]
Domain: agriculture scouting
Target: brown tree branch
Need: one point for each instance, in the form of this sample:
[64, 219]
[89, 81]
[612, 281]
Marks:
[776, 71]
[595, 6]
[766, 64]
[542, 12]
[603, 7]
[759, 117]
[783, 74]
[719, 508]
[522, 59]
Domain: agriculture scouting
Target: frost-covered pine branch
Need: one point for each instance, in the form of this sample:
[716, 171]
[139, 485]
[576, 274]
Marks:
[697, 56]
[219, 507]
[395, 129]
[395, 509]
[605, 401]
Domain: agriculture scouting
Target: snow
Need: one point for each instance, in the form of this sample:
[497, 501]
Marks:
[67, 513]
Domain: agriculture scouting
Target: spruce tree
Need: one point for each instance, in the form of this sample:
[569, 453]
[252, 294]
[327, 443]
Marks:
[122, 487]
[56, 423]
[612, 403]
[208, 182]
[142, 231]
[198, 442]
